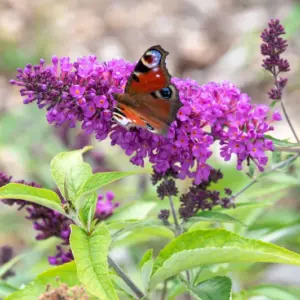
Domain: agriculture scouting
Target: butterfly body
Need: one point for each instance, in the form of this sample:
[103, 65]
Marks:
[150, 100]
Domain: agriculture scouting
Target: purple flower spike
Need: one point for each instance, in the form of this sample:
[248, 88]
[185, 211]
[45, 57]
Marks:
[212, 113]
[273, 46]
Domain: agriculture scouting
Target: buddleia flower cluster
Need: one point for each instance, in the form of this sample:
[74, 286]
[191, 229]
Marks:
[80, 92]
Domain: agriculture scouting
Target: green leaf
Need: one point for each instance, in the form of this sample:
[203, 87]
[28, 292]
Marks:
[146, 266]
[122, 285]
[205, 247]
[69, 170]
[87, 209]
[66, 274]
[6, 289]
[99, 180]
[273, 103]
[90, 252]
[273, 292]
[146, 274]
[146, 257]
[40, 196]
[155, 223]
[216, 288]
[282, 233]
[214, 216]
[276, 157]
[281, 143]
[133, 210]
[176, 290]
[143, 235]
[7, 266]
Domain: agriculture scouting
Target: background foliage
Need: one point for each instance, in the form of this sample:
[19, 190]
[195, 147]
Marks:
[201, 47]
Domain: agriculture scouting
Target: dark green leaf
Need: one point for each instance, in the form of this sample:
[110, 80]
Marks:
[216, 288]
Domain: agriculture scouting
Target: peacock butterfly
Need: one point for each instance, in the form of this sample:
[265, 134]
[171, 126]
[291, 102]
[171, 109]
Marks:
[150, 100]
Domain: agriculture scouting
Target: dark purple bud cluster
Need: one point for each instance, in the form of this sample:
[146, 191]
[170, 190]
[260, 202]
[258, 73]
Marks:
[200, 198]
[167, 187]
[274, 45]
[164, 215]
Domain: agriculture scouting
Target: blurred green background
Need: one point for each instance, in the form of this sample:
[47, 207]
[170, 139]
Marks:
[208, 40]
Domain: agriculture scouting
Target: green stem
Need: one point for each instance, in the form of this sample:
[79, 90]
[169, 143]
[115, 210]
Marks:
[282, 103]
[288, 119]
[288, 149]
[274, 168]
[178, 227]
[125, 278]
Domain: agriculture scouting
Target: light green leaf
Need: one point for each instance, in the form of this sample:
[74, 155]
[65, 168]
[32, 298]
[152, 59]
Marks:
[90, 252]
[6, 289]
[68, 169]
[176, 290]
[146, 257]
[216, 288]
[214, 216]
[122, 285]
[116, 224]
[7, 266]
[152, 223]
[66, 274]
[282, 143]
[206, 272]
[87, 208]
[40, 196]
[146, 274]
[273, 292]
[282, 233]
[205, 247]
[133, 210]
[143, 235]
[99, 180]
[146, 266]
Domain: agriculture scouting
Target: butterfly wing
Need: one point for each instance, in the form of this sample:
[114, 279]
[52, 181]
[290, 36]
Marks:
[150, 74]
[150, 100]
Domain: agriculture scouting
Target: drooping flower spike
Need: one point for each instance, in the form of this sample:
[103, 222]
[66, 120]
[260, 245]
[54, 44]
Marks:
[212, 113]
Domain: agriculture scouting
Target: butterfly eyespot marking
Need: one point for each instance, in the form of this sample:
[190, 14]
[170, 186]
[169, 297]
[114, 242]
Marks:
[166, 93]
[152, 58]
